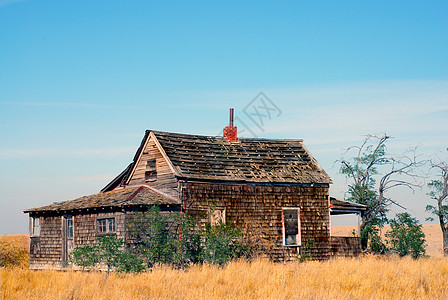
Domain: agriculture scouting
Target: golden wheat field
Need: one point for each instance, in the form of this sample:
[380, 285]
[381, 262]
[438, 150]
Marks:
[20, 240]
[365, 278]
[368, 277]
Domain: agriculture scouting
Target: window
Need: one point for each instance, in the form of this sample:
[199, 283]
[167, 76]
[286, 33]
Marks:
[70, 227]
[35, 226]
[106, 225]
[217, 216]
[111, 225]
[151, 172]
[291, 226]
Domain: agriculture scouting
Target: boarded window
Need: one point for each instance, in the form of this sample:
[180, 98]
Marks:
[70, 227]
[106, 225]
[151, 172]
[291, 226]
[35, 226]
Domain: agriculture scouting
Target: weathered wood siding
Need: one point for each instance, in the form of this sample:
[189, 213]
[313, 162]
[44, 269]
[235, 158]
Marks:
[48, 250]
[85, 227]
[345, 246]
[257, 209]
[131, 219]
[165, 181]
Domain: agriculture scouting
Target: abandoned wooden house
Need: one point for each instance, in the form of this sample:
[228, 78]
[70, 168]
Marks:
[273, 189]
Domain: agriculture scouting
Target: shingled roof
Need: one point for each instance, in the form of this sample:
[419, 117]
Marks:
[341, 207]
[248, 160]
[133, 196]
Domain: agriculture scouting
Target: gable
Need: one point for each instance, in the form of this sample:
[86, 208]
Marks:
[151, 168]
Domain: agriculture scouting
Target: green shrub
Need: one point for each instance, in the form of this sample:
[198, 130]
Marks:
[163, 239]
[406, 236]
[175, 240]
[130, 262]
[305, 251]
[221, 243]
[185, 241]
[152, 238]
[110, 251]
[376, 244]
[85, 256]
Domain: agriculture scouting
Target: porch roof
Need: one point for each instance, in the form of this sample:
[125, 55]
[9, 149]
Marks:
[339, 207]
[132, 196]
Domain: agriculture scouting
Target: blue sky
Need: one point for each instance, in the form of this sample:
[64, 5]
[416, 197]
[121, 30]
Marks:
[80, 81]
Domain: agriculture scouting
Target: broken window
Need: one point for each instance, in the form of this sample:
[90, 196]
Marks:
[291, 226]
[106, 225]
[151, 172]
[217, 216]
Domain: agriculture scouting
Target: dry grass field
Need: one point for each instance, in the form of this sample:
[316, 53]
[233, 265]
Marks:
[14, 250]
[365, 278]
[20, 240]
[368, 277]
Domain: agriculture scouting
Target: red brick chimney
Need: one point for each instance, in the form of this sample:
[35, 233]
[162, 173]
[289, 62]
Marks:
[229, 132]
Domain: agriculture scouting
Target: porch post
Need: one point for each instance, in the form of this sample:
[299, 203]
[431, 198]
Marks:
[358, 221]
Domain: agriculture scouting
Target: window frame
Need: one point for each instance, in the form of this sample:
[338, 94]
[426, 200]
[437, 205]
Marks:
[106, 226]
[69, 227]
[216, 216]
[35, 229]
[299, 233]
[109, 223]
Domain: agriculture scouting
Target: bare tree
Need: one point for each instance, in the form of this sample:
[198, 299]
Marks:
[369, 163]
[439, 192]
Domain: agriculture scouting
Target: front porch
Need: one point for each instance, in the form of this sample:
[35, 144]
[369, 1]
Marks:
[348, 245]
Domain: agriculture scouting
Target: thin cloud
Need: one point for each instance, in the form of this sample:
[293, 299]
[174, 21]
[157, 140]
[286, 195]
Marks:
[97, 178]
[404, 107]
[350, 108]
[61, 104]
[63, 152]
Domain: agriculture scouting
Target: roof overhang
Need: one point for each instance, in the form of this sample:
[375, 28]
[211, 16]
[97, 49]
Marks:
[340, 207]
[130, 197]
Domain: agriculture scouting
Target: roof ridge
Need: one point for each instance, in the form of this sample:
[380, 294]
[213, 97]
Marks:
[141, 186]
[133, 195]
[218, 136]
